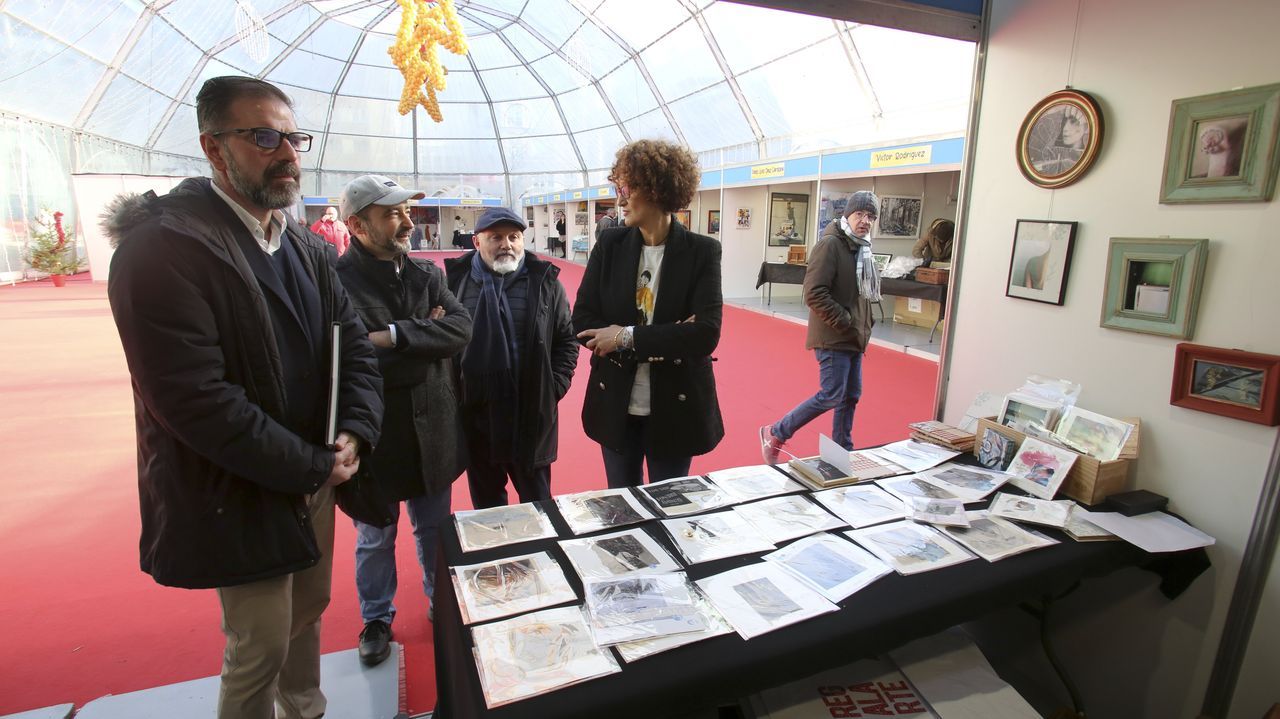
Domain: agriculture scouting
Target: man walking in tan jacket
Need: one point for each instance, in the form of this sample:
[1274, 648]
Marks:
[840, 284]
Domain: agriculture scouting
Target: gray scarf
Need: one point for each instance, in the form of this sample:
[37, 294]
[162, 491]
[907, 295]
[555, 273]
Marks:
[868, 275]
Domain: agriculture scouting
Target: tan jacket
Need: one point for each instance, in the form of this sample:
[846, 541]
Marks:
[839, 317]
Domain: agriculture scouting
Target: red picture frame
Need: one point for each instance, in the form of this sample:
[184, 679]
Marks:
[1232, 383]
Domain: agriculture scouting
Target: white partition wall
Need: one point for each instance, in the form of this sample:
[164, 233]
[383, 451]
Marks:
[1132, 652]
[744, 246]
[93, 192]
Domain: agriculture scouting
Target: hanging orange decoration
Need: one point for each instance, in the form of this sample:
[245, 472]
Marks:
[423, 25]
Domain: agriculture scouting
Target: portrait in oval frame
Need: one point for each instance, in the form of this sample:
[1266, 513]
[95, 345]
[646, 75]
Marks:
[1059, 139]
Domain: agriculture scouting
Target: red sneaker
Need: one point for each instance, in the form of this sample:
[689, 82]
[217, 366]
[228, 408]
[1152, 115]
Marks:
[770, 446]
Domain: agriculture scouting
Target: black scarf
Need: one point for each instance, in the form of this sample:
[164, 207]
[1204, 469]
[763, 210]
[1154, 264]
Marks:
[490, 362]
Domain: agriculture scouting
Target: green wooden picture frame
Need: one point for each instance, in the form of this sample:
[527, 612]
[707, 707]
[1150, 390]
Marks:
[1153, 285]
[1223, 147]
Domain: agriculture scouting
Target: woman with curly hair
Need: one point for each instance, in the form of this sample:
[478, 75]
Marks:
[649, 310]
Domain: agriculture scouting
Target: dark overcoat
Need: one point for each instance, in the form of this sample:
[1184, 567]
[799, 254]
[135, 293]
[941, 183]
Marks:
[422, 450]
[685, 411]
[222, 480]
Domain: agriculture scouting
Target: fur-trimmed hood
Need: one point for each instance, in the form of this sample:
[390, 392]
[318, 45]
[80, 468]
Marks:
[131, 209]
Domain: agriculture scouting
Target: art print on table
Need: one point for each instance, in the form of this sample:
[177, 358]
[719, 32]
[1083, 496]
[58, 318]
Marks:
[1029, 509]
[537, 653]
[683, 495]
[1059, 139]
[1227, 382]
[862, 506]
[715, 625]
[833, 566]
[744, 484]
[639, 607]
[949, 512]
[762, 597]
[1041, 260]
[500, 526]
[1223, 147]
[969, 483]
[785, 518]
[1020, 410]
[907, 488]
[1040, 468]
[994, 538]
[610, 555]
[489, 590]
[601, 509]
[996, 450]
[910, 548]
[1100, 436]
[715, 536]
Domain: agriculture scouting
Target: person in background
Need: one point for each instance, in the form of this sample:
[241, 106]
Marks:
[417, 236]
[840, 283]
[224, 305]
[458, 229]
[518, 365]
[607, 220]
[649, 309]
[332, 230]
[935, 245]
[416, 327]
[562, 232]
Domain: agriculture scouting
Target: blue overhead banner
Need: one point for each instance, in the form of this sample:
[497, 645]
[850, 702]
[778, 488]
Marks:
[923, 155]
[583, 193]
[424, 202]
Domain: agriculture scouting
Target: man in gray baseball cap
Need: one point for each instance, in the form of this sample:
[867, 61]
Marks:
[416, 327]
[840, 284]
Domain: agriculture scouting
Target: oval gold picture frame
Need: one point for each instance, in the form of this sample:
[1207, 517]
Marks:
[1059, 139]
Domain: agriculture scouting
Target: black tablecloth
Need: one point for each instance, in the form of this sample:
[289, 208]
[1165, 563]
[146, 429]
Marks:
[788, 274]
[883, 616]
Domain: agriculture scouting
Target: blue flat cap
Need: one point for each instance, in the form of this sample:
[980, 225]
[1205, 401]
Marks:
[497, 216]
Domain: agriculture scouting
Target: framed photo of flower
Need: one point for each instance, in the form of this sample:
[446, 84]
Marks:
[1223, 147]
[1232, 383]
[1059, 139]
[1041, 260]
[1153, 285]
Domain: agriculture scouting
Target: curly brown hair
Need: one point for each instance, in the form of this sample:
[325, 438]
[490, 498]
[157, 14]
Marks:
[665, 173]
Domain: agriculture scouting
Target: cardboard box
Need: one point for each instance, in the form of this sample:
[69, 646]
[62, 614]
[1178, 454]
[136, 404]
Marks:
[916, 312]
[1090, 480]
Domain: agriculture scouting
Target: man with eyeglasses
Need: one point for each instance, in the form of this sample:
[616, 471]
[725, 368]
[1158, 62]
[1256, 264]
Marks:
[225, 306]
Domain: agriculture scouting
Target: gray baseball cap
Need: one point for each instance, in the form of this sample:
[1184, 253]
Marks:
[373, 190]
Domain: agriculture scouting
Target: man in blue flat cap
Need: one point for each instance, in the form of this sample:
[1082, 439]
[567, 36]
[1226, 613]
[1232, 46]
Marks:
[518, 364]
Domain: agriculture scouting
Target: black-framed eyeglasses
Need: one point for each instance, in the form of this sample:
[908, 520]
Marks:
[269, 139]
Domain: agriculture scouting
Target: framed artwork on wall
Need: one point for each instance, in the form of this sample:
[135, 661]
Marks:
[1153, 285]
[899, 217]
[788, 216]
[831, 204]
[1232, 383]
[744, 218]
[1223, 147]
[1041, 260]
[713, 222]
[685, 217]
[881, 259]
[1059, 139]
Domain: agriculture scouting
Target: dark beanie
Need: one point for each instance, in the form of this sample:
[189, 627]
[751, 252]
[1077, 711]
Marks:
[864, 200]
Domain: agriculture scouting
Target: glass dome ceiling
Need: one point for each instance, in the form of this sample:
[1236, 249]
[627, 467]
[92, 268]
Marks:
[549, 88]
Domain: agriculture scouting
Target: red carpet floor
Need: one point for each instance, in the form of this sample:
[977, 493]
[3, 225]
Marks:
[79, 619]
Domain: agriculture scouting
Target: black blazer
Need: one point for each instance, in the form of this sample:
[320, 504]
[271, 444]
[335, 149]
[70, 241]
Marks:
[684, 406]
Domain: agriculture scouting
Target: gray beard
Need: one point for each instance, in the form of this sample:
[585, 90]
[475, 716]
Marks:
[260, 193]
[506, 265]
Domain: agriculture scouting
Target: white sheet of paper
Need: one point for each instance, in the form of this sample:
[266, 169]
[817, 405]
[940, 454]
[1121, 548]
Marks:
[838, 456]
[1153, 532]
[915, 456]
[985, 404]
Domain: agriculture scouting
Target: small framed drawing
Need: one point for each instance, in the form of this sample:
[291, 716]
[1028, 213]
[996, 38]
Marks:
[899, 217]
[744, 218]
[685, 217]
[1153, 285]
[788, 216]
[713, 222]
[1019, 410]
[1041, 260]
[1101, 436]
[1232, 383]
[1059, 139]
[881, 259]
[1223, 147]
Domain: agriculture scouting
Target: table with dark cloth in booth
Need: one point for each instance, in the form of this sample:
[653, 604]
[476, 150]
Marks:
[890, 612]
[772, 273]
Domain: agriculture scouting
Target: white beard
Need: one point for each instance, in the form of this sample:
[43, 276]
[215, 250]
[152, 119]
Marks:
[506, 265]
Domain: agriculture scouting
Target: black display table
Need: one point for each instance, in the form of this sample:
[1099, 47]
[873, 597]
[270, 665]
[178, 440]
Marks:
[787, 274]
[890, 612]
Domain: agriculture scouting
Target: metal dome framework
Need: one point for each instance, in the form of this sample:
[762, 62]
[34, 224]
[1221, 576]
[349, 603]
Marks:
[549, 90]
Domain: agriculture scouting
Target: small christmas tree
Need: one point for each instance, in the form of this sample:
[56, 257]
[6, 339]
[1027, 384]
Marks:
[50, 250]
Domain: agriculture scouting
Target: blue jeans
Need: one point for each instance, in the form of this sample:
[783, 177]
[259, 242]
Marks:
[840, 386]
[626, 468]
[376, 554]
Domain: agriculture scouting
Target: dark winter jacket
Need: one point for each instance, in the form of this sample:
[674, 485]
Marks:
[222, 476]
[840, 316]
[684, 409]
[548, 357]
[421, 450]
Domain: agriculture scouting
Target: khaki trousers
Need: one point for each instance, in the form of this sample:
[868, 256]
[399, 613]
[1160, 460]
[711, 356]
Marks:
[272, 658]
